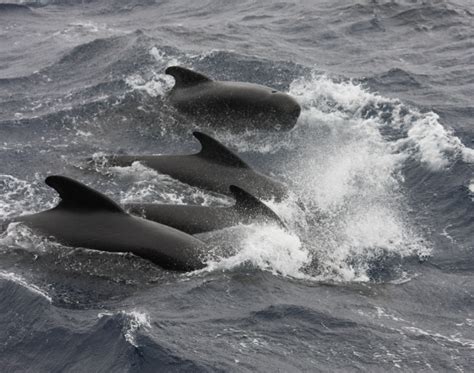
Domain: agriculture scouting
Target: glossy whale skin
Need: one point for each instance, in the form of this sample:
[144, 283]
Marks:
[86, 218]
[234, 105]
[214, 168]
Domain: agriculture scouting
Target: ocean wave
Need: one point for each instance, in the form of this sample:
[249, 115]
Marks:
[267, 248]
[102, 65]
[377, 185]
[397, 79]
[133, 322]
[439, 14]
[144, 185]
[20, 197]
[345, 160]
[409, 13]
[71, 340]
[345, 165]
[348, 171]
[19, 280]
[416, 135]
[155, 84]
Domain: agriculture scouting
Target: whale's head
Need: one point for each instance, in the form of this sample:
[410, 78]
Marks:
[257, 105]
[238, 104]
[285, 109]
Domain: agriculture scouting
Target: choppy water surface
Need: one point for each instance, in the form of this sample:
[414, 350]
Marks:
[377, 271]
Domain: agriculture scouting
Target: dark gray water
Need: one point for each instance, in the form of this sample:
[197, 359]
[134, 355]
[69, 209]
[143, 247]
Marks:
[377, 271]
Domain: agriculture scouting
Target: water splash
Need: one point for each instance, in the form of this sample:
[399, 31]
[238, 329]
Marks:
[147, 185]
[344, 162]
[266, 247]
[21, 197]
[348, 175]
[418, 135]
[133, 322]
[153, 83]
[348, 212]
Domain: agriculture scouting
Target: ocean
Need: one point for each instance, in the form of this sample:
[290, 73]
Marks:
[376, 270]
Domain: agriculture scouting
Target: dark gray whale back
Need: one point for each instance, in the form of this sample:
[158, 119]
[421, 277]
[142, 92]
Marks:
[235, 105]
[199, 219]
[214, 168]
[86, 218]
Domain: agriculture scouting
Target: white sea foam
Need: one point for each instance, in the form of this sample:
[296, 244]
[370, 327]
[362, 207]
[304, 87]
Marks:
[19, 197]
[147, 185]
[348, 176]
[454, 338]
[425, 137]
[134, 321]
[269, 248]
[153, 83]
[19, 235]
[261, 141]
[349, 208]
[162, 58]
[10, 276]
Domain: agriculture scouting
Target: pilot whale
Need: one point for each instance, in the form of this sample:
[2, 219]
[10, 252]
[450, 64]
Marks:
[86, 218]
[214, 168]
[237, 105]
[195, 219]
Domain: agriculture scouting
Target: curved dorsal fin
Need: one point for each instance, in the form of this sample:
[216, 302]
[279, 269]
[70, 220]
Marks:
[185, 77]
[247, 203]
[75, 195]
[214, 151]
